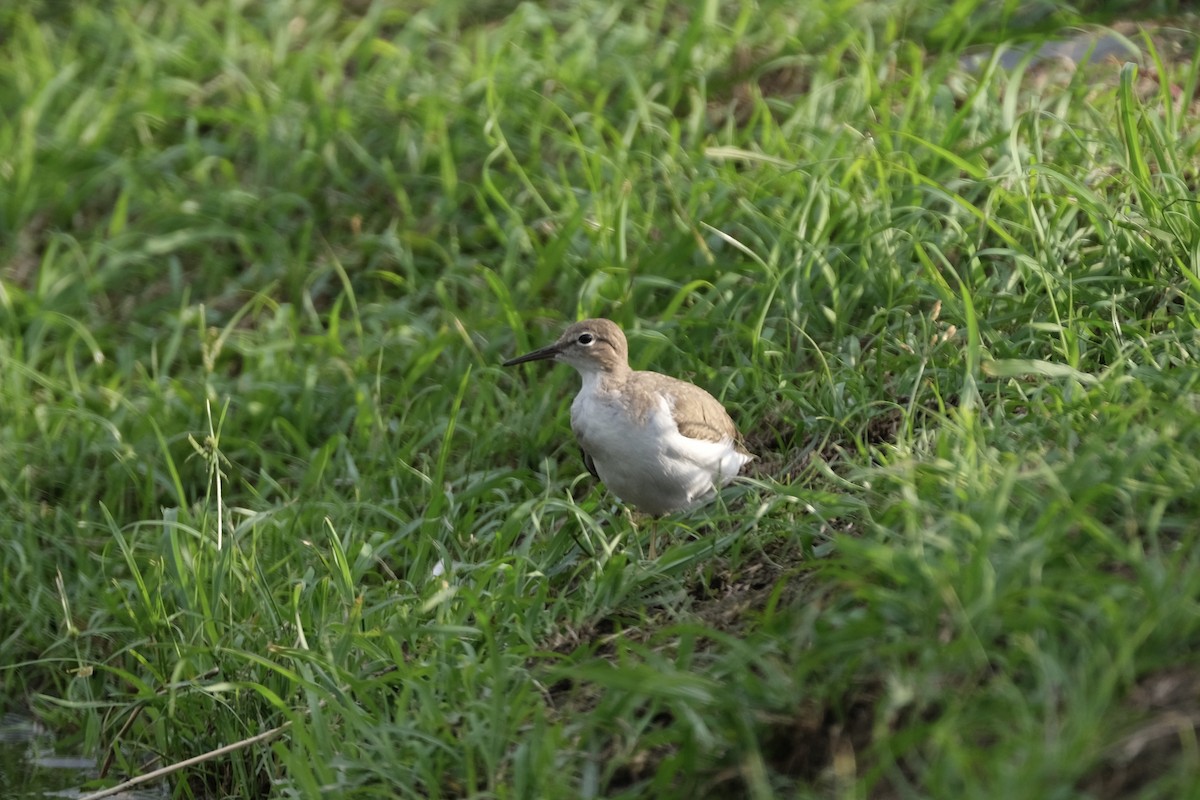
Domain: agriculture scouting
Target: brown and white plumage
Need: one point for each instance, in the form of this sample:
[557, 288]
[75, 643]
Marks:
[658, 443]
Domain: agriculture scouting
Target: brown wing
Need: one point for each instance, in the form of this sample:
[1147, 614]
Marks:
[701, 416]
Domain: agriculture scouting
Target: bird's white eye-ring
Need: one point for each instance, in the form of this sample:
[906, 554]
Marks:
[586, 338]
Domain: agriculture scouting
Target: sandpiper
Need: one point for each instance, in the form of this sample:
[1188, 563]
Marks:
[659, 444]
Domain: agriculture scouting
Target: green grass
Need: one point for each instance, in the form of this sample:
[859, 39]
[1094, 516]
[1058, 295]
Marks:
[259, 264]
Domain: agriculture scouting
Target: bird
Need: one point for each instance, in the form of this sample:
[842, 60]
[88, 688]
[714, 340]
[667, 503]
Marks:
[658, 443]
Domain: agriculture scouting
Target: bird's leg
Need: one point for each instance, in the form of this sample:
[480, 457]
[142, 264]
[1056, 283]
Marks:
[636, 519]
[632, 516]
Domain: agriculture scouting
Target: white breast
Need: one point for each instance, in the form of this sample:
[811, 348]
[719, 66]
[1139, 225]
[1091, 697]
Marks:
[644, 460]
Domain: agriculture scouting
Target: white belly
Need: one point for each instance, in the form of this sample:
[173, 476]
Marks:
[647, 463]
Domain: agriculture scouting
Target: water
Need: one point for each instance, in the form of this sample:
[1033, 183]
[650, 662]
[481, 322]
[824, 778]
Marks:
[1074, 49]
[31, 768]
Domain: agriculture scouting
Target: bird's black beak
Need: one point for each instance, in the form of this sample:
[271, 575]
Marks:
[550, 351]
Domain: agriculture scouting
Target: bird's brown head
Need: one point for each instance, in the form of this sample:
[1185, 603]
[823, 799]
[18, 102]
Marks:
[593, 345]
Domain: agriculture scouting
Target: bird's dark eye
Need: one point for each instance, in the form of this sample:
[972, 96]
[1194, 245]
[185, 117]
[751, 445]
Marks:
[586, 338]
